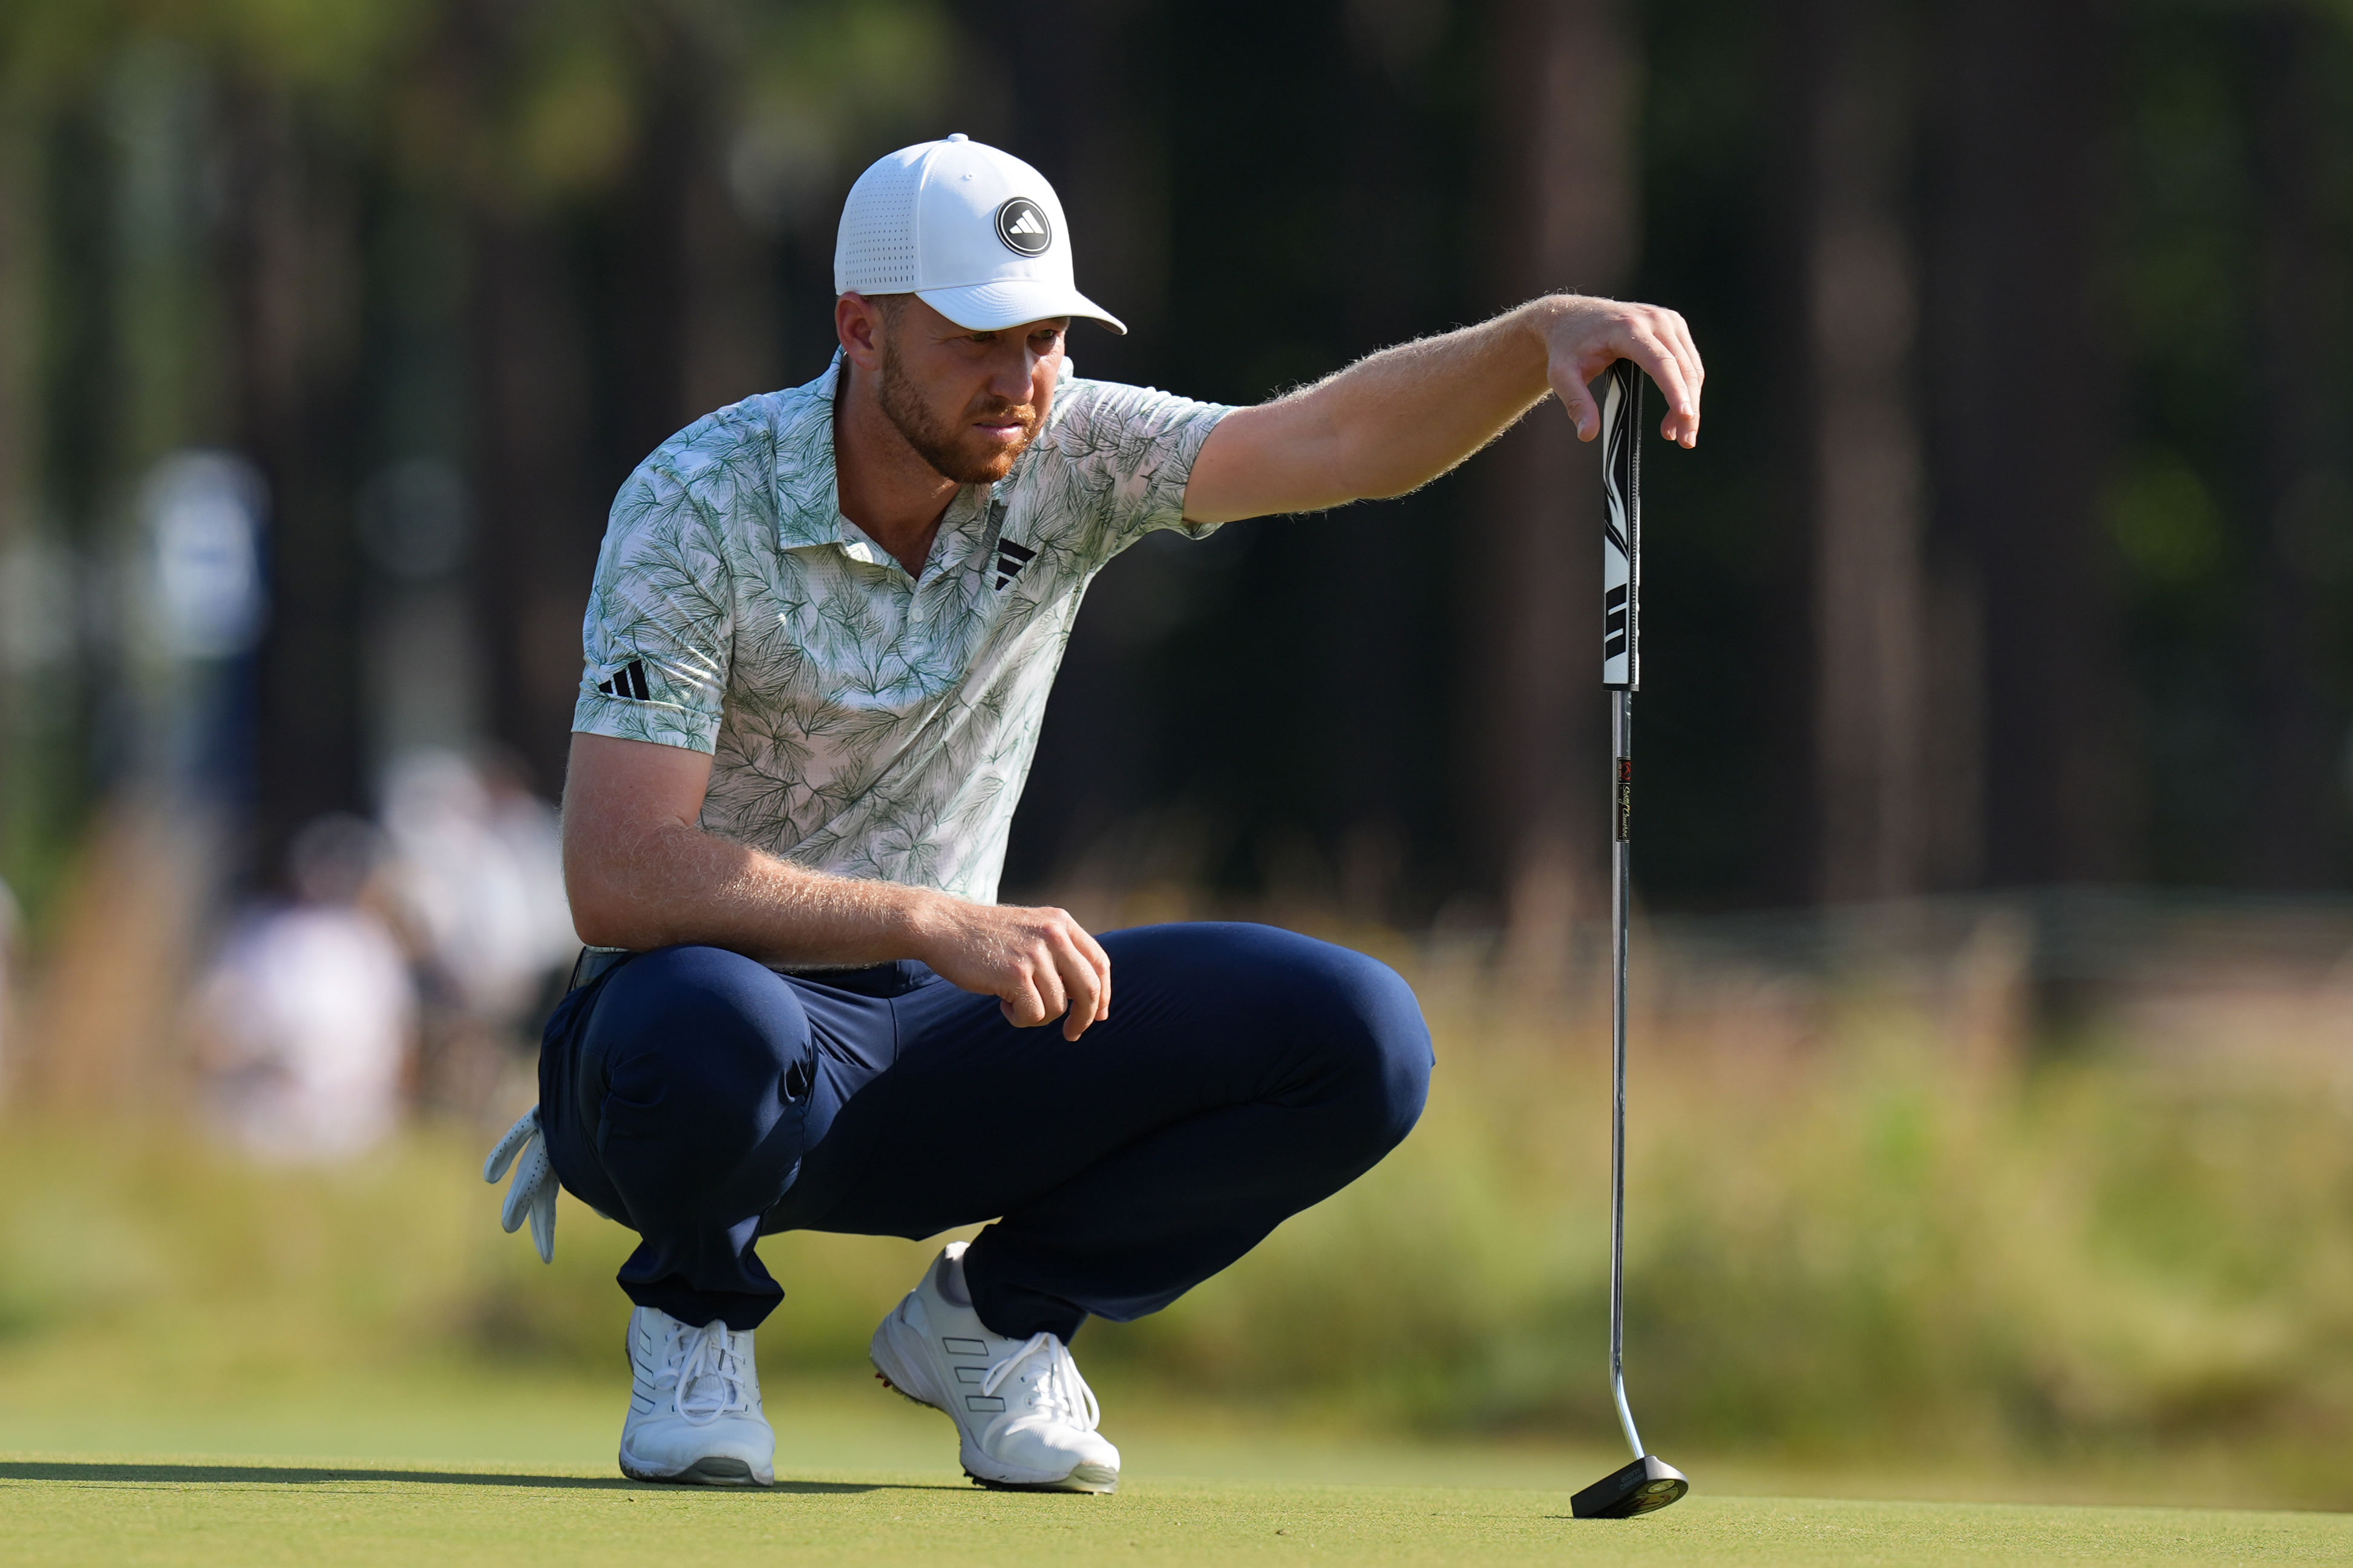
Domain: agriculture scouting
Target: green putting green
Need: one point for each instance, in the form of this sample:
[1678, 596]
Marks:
[197, 1510]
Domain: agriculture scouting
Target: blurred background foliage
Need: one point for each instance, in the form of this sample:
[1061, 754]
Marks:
[2018, 553]
[1995, 718]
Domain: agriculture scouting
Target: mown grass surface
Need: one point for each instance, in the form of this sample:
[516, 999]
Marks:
[196, 1510]
[1881, 1244]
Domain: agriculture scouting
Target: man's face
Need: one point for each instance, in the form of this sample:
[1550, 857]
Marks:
[969, 402]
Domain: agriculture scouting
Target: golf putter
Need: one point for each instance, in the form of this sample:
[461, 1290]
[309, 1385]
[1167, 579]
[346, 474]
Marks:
[1649, 1483]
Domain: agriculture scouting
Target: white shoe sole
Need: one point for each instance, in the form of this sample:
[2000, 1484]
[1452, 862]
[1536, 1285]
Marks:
[714, 1472]
[903, 1375]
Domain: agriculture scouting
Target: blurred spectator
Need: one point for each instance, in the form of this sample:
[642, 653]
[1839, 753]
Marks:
[307, 1014]
[476, 879]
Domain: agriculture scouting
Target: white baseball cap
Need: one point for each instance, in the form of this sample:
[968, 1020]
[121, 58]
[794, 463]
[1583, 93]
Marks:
[976, 233]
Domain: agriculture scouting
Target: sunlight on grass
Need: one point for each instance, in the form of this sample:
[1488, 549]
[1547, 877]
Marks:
[1861, 1243]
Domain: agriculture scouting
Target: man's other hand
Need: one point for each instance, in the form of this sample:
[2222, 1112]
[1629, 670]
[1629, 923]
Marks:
[1039, 963]
[1585, 336]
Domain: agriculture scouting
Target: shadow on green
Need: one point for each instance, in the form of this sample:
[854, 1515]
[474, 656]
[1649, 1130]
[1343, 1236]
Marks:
[100, 1473]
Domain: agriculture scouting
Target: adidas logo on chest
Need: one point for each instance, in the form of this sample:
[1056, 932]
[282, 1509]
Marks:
[1010, 559]
[1006, 558]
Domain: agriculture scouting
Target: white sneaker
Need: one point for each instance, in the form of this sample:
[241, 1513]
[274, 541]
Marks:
[694, 1405]
[1025, 1416]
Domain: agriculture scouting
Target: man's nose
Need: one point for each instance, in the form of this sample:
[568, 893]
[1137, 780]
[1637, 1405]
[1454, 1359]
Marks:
[1010, 377]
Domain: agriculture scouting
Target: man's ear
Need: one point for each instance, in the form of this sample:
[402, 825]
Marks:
[858, 323]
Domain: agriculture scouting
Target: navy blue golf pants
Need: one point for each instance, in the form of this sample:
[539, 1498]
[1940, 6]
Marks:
[705, 1100]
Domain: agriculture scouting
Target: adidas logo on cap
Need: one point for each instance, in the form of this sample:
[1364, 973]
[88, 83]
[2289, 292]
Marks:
[1022, 226]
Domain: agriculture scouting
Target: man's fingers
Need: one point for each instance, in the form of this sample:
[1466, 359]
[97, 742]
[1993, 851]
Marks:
[1045, 978]
[1582, 409]
[1022, 1006]
[1083, 984]
[1101, 962]
[1671, 329]
[1682, 416]
[1691, 349]
[1654, 354]
[1653, 358]
[1664, 365]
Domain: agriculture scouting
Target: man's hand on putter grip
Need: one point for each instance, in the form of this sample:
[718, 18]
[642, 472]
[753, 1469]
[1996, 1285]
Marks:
[1039, 963]
[1582, 337]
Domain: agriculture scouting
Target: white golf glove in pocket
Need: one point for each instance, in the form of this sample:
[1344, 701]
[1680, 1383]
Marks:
[533, 1193]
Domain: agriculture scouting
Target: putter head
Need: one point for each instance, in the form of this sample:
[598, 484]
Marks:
[1646, 1486]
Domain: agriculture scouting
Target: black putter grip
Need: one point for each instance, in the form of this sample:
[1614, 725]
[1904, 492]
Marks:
[1621, 529]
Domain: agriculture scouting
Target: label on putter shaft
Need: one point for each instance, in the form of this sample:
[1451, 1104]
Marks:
[1622, 824]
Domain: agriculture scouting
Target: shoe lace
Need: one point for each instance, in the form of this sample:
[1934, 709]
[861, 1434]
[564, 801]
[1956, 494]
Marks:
[707, 1381]
[1059, 1391]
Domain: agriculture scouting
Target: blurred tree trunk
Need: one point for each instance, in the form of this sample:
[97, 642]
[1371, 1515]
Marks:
[1562, 87]
[1862, 449]
[540, 522]
[538, 518]
[695, 311]
[2297, 823]
[292, 258]
[1396, 193]
[2024, 415]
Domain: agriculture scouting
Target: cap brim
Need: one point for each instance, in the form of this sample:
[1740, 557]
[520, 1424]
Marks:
[1010, 301]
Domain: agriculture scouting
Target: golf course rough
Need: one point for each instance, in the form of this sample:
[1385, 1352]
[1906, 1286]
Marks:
[85, 1508]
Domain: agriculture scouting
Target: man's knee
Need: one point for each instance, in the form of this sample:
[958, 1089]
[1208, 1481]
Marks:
[702, 1038]
[1368, 1043]
[1382, 1044]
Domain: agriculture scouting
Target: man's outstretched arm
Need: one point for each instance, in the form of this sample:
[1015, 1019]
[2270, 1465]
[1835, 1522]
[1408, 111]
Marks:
[1396, 420]
[641, 874]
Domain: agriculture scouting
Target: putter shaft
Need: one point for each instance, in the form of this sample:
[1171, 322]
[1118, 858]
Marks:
[1621, 737]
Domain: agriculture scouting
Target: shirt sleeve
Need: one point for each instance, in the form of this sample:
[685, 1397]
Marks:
[1130, 450]
[661, 621]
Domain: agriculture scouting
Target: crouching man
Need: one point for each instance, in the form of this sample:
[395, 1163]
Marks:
[822, 632]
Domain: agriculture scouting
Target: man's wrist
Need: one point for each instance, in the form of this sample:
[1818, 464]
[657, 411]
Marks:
[1536, 321]
[918, 919]
[1544, 312]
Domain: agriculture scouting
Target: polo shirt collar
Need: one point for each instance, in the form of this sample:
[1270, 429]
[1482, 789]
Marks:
[808, 499]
